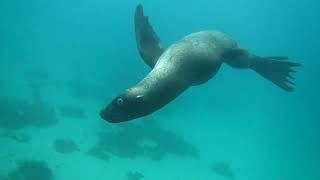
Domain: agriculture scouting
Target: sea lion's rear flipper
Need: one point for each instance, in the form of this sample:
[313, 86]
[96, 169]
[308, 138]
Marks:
[147, 40]
[276, 69]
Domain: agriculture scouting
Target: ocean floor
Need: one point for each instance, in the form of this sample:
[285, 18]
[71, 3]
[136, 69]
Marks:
[50, 129]
[146, 149]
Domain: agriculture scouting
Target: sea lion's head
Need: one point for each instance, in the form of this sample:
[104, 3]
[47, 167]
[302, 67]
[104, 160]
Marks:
[127, 106]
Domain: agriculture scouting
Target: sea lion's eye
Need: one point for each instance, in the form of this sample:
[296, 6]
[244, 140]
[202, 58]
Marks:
[120, 101]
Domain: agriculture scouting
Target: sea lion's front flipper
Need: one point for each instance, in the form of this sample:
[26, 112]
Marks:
[147, 40]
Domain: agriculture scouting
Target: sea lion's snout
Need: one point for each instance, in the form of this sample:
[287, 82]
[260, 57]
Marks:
[104, 115]
[125, 107]
[111, 115]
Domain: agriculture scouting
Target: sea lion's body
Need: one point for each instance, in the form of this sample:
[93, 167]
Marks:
[196, 58]
[191, 61]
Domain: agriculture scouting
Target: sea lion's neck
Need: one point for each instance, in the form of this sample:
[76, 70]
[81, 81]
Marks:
[160, 87]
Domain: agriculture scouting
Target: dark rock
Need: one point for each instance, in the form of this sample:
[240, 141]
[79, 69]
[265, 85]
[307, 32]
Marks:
[99, 154]
[31, 170]
[19, 137]
[223, 169]
[65, 146]
[134, 176]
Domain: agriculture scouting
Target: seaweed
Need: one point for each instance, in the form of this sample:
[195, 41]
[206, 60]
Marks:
[31, 170]
[144, 139]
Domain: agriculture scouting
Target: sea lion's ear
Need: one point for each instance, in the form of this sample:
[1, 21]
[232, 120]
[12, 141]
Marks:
[147, 40]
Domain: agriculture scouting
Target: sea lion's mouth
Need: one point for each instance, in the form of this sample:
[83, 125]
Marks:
[112, 115]
[103, 115]
[108, 116]
[125, 107]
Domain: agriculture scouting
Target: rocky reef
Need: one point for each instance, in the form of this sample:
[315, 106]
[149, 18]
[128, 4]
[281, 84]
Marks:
[147, 138]
[31, 170]
[134, 176]
[17, 114]
[223, 169]
[65, 146]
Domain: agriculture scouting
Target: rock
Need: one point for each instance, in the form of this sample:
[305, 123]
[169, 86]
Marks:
[65, 146]
[134, 176]
[31, 170]
[223, 169]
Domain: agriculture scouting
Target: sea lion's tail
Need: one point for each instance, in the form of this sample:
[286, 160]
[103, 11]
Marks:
[276, 69]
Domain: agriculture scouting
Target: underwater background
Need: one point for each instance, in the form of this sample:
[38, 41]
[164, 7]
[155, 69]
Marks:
[62, 61]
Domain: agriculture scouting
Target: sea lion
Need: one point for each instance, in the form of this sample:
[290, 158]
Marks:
[191, 61]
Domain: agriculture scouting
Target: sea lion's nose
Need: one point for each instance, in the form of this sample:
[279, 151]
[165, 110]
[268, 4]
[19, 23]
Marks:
[107, 115]
[103, 114]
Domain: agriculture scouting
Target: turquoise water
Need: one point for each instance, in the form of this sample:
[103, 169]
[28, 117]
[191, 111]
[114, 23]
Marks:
[62, 61]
